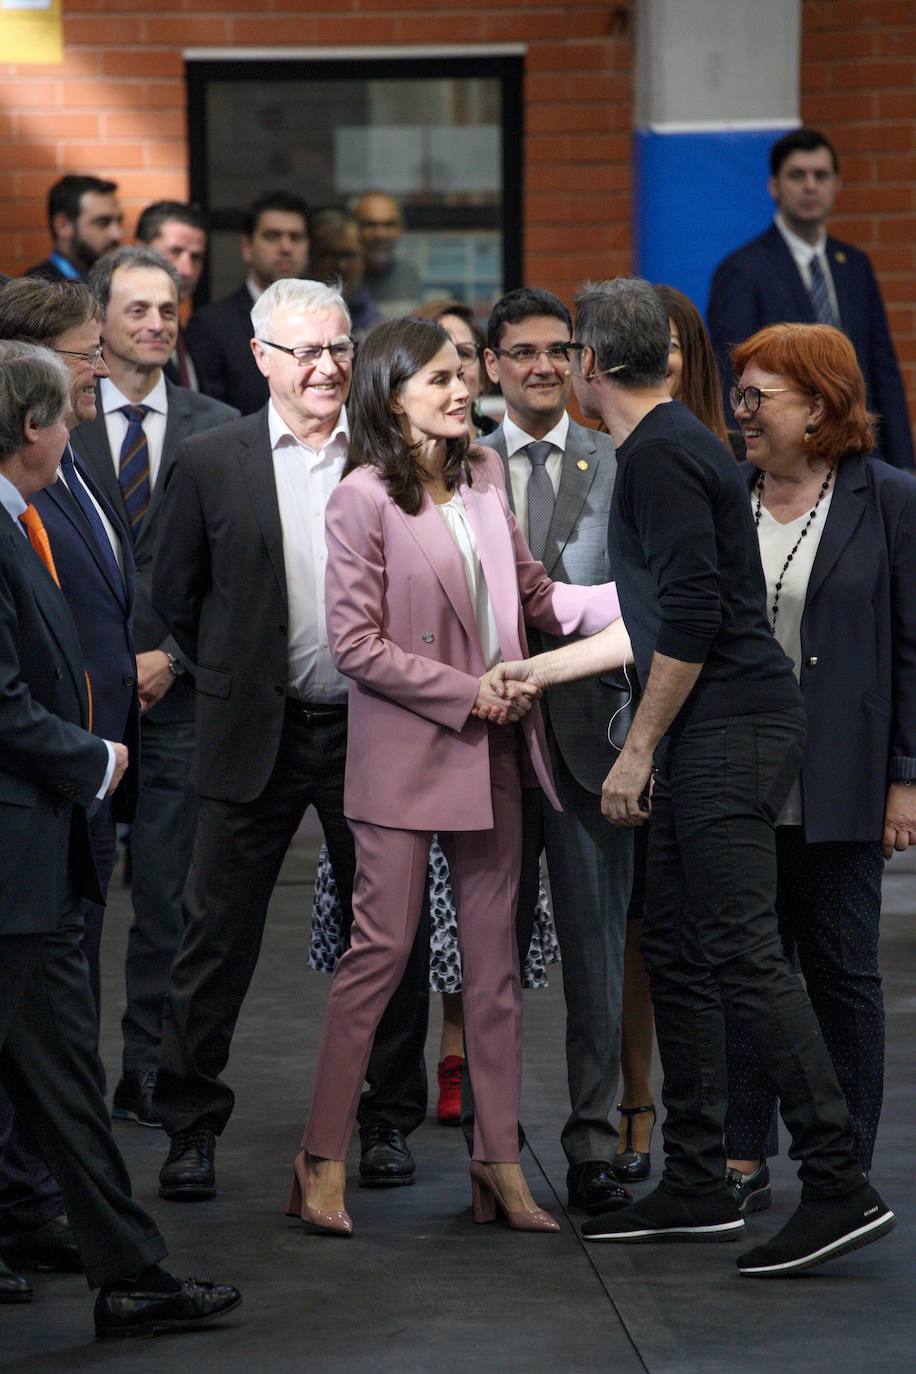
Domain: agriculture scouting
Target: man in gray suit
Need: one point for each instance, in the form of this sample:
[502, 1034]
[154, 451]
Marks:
[560, 477]
[129, 447]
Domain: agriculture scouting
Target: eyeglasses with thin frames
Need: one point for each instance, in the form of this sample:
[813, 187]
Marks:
[341, 351]
[527, 353]
[93, 358]
[751, 397]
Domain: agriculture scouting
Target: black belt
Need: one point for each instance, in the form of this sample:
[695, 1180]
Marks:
[317, 713]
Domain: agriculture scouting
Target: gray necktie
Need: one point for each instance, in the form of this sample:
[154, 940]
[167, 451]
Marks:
[820, 296]
[541, 498]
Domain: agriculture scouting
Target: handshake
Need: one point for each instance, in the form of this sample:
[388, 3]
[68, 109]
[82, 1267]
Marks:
[507, 692]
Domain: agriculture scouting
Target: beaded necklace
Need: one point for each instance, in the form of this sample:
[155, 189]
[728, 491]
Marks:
[785, 567]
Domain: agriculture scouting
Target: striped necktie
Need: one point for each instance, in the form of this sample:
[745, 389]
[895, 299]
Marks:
[541, 498]
[820, 296]
[133, 468]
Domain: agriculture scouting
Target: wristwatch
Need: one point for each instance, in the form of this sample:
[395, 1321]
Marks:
[176, 668]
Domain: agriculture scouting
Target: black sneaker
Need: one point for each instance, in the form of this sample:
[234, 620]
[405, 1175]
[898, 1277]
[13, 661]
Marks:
[819, 1231]
[750, 1191]
[133, 1099]
[671, 1216]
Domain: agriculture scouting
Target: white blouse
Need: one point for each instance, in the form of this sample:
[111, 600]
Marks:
[459, 527]
[776, 543]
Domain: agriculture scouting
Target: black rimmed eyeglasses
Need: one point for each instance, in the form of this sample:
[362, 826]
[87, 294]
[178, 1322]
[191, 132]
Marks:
[527, 353]
[750, 397]
[341, 351]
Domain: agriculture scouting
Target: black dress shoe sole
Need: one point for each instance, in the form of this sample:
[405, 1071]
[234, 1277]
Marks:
[387, 1181]
[126, 1114]
[187, 1192]
[146, 1330]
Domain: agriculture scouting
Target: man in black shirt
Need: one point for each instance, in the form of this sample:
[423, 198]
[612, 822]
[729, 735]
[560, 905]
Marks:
[721, 717]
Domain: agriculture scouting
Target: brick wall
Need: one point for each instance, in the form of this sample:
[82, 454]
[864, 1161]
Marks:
[116, 107]
[858, 84]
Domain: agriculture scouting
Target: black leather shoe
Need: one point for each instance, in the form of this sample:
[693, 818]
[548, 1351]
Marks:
[49, 1246]
[631, 1165]
[188, 1175]
[751, 1191]
[14, 1287]
[119, 1316]
[593, 1187]
[386, 1161]
[133, 1099]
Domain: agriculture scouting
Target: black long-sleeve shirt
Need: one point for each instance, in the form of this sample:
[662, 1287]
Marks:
[684, 550]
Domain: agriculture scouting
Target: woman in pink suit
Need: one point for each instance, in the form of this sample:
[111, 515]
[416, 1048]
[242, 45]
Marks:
[429, 584]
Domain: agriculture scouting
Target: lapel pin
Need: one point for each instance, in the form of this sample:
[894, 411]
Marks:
[839, 257]
[582, 465]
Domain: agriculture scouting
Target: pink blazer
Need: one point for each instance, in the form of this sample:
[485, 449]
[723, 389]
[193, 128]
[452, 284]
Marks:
[402, 628]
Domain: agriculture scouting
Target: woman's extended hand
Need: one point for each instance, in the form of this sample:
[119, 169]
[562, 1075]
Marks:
[899, 818]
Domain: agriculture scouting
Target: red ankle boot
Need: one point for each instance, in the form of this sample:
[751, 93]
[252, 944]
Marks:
[448, 1108]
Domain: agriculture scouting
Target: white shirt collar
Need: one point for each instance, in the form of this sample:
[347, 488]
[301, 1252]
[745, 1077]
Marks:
[11, 499]
[281, 434]
[254, 291]
[800, 249]
[113, 398]
[517, 439]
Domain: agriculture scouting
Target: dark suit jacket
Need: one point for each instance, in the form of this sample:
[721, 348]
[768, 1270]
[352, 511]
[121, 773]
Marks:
[219, 340]
[219, 583]
[101, 608]
[188, 413]
[858, 637]
[49, 271]
[578, 713]
[48, 761]
[760, 284]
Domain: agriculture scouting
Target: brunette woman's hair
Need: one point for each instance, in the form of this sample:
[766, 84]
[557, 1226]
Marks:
[390, 354]
[820, 360]
[701, 382]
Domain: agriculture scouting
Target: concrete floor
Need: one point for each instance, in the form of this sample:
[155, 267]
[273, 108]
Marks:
[419, 1289]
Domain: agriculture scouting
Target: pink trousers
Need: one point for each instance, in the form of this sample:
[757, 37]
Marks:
[391, 867]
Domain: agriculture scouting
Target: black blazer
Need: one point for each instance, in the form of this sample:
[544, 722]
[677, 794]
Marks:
[858, 637]
[219, 583]
[188, 413]
[48, 761]
[759, 284]
[102, 608]
[219, 340]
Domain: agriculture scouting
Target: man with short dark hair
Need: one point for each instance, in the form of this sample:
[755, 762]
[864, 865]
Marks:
[560, 477]
[140, 413]
[336, 254]
[796, 271]
[178, 232]
[275, 244]
[86, 221]
[393, 283]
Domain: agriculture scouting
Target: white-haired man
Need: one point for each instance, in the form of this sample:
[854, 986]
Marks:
[241, 588]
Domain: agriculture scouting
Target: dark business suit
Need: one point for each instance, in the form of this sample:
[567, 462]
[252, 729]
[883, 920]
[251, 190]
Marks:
[258, 765]
[166, 812]
[858, 681]
[760, 284]
[50, 770]
[590, 864]
[48, 270]
[219, 340]
[101, 602]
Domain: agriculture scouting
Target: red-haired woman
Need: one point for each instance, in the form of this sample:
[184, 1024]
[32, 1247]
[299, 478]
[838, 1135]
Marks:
[837, 533]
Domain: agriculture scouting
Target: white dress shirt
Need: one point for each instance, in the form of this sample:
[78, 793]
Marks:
[520, 464]
[111, 400]
[455, 515]
[776, 543]
[109, 528]
[305, 479]
[803, 252]
[14, 505]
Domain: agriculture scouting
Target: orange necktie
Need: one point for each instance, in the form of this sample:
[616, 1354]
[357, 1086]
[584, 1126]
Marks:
[38, 538]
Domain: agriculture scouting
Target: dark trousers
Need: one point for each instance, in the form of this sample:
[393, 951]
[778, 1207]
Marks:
[161, 841]
[49, 1065]
[829, 908]
[29, 1194]
[710, 939]
[238, 851]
